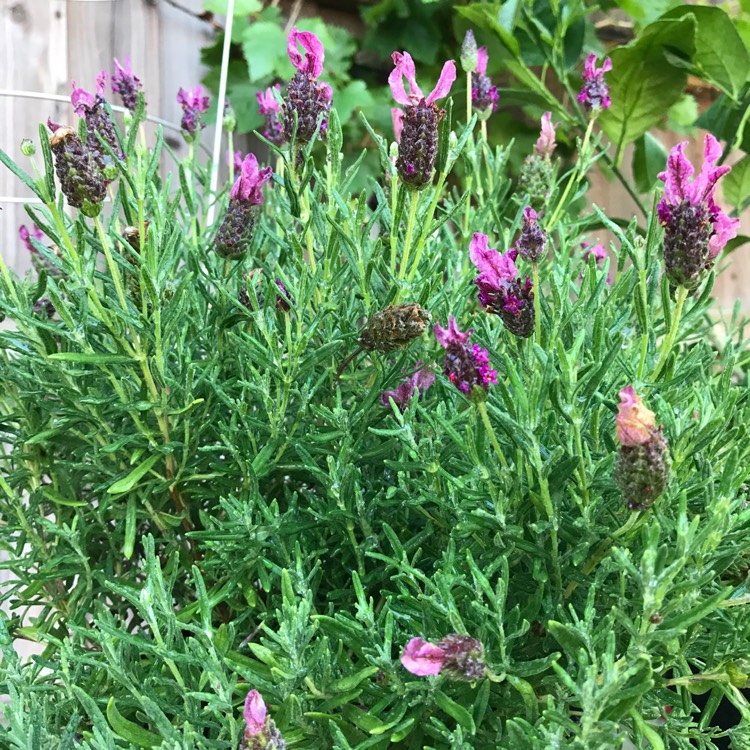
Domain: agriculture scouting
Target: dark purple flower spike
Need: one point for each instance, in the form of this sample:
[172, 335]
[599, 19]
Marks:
[91, 108]
[595, 92]
[126, 84]
[419, 122]
[466, 365]
[695, 228]
[484, 96]
[193, 104]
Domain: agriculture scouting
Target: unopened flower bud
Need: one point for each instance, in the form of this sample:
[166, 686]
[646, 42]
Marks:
[27, 147]
[229, 120]
[643, 462]
[469, 52]
[394, 327]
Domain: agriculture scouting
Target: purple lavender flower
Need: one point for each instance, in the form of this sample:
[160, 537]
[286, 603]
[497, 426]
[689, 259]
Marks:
[484, 96]
[91, 108]
[599, 254]
[245, 198]
[419, 133]
[310, 99]
[466, 365]
[595, 92]
[532, 243]
[25, 234]
[695, 228]
[193, 104]
[126, 84]
[260, 729]
[458, 656]
[545, 144]
[419, 382]
[501, 290]
[269, 107]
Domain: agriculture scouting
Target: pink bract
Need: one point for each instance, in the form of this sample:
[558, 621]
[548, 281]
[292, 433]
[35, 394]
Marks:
[494, 267]
[635, 423]
[545, 145]
[482, 59]
[422, 658]
[397, 115]
[267, 103]
[255, 713]
[405, 69]
[249, 185]
[451, 336]
[312, 61]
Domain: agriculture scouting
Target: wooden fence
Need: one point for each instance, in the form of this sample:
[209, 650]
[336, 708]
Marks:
[48, 43]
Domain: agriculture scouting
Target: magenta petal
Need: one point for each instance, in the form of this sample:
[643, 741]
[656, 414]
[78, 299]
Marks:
[397, 115]
[725, 229]
[81, 100]
[482, 58]
[704, 184]
[312, 62]
[249, 184]
[545, 145]
[404, 69]
[494, 267]
[451, 336]
[255, 713]
[101, 83]
[267, 103]
[675, 178]
[443, 87]
[422, 658]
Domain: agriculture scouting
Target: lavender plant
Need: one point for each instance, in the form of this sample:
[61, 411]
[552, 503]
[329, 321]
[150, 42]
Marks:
[251, 499]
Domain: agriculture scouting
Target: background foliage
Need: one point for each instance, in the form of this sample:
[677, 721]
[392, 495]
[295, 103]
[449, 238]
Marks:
[194, 505]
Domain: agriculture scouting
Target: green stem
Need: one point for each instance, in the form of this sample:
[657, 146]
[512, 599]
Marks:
[484, 130]
[491, 433]
[409, 231]
[550, 511]
[582, 465]
[537, 305]
[668, 342]
[427, 225]
[394, 228]
[468, 98]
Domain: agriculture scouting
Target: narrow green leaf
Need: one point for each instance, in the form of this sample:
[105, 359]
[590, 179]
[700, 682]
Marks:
[129, 731]
[127, 483]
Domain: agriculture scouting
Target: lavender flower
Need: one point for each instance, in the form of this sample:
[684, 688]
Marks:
[533, 241]
[307, 97]
[126, 84]
[193, 104]
[484, 96]
[245, 198]
[419, 382]
[643, 462]
[459, 656]
[695, 228]
[467, 366]
[501, 290]
[260, 730]
[98, 121]
[25, 234]
[595, 92]
[599, 254]
[469, 53]
[419, 133]
[80, 174]
[536, 175]
[269, 107]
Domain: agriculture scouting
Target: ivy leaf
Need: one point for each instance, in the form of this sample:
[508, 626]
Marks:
[354, 96]
[737, 183]
[264, 47]
[643, 85]
[241, 7]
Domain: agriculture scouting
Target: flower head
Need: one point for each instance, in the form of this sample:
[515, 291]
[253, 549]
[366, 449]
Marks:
[545, 145]
[193, 104]
[126, 84]
[25, 234]
[419, 382]
[84, 102]
[256, 713]
[484, 96]
[422, 658]
[393, 327]
[533, 241]
[467, 366]
[635, 423]
[404, 68]
[595, 92]
[696, 229]
[311, 63]
[469, 52]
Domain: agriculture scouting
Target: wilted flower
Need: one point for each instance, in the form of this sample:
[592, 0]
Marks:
[394, 327]
[307, 97]
[458, 656]
[501, 290]
[79, 173]
[419, 382]
[695, 228]
[193, 104]
[270, 108]
[91, 108]
[25, 234]
[469, 52]
[126, 84]
[237, 228]
[419, 133]
[260, 730]
[535, 179]
[466, 365]
[595, 92]
[484, 96]
[532, 244]
[643, 462]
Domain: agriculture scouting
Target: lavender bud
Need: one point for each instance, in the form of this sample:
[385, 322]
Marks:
[469, 52]
[27, 147]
